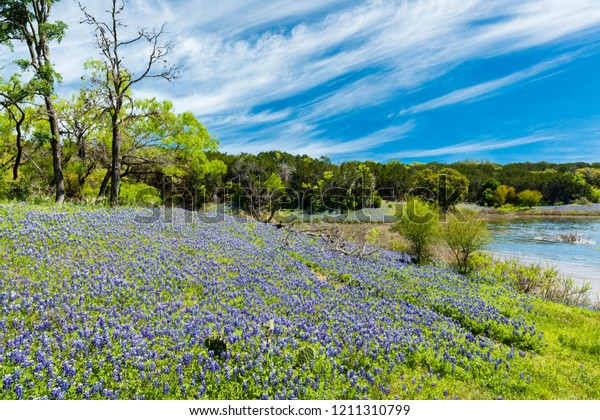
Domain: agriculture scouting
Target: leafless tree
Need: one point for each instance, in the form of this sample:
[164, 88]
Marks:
[114, 79]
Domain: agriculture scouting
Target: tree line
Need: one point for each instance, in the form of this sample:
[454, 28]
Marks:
[273, 180]
[104, 145]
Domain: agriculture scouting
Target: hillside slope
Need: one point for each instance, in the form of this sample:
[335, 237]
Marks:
[95, 304]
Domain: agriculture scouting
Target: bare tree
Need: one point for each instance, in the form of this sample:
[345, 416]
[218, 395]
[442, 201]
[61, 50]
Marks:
[114, 79]
[27, 21]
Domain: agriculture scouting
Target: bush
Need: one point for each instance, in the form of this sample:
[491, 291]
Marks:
[595, 195]
[418, 223]
[20, 189]
[504, 195]
[530, 198]
[139, 195]
[465, 234]
[534, 279]
[377, 201]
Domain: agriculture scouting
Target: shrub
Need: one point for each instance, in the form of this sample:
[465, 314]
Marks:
[216, 344]
[535, 279]
[377, 201]
[595, 195]
[139, 195]
[504, 195]
[530, 198]
[19, 189]
[418, 223]
[465, 234]
[305, 356]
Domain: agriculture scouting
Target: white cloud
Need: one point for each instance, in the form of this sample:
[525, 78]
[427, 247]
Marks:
[298, 138]
[410, 42]
[473, 146]
[325, 58]
[478, 91]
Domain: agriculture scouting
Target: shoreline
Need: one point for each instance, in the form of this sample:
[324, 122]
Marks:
[577, 272]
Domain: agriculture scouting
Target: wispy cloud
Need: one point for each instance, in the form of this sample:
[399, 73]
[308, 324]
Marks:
[265, 74]
[302, 139]
[478, 91]
[473, 146]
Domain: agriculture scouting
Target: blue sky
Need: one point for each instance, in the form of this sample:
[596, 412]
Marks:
[419, 80]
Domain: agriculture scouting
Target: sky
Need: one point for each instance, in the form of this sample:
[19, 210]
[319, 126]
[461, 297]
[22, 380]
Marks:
[409, 80]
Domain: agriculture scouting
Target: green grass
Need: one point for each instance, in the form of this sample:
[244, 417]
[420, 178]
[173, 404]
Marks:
[563, 364]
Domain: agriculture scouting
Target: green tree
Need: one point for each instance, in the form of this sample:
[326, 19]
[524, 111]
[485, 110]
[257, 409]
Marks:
[453, 188]
[28, 22]
[591, 175]
[465, 234]
[418, 224]
[13, 97]
[159, 144]
[85, 135]
[530, 198]
[504, 195]
[447, 186]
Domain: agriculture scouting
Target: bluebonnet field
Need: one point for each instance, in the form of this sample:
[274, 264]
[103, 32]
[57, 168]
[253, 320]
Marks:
[95, 305]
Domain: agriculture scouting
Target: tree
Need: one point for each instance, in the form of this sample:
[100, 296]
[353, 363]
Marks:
[352, 187]
[452, 188]
[504, 195]
[465, 235]
[488, 188]
[530, 198]
[161, 144]
[418, 223]
[83, 128]
[447, 186]
[12, 98]
[27, 21]
[114, 80]
[259, 192]
[591, 175]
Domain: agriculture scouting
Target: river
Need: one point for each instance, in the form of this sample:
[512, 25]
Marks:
[542, 240]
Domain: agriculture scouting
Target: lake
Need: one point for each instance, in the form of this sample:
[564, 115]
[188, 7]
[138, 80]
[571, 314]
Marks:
[539, 240]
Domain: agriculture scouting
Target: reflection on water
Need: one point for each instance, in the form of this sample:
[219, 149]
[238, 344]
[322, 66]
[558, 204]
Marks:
[547, 240]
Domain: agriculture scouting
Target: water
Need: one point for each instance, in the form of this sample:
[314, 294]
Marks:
[538, 240]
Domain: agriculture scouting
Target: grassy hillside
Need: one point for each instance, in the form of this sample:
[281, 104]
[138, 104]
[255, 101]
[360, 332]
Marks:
[94, 304]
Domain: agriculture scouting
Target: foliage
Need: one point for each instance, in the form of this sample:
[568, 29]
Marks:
[418, 224]
[28, 22]
[504, 195]
[113, 79]
[140, 194]
[535, 279]
[530, 198]
[489, 187]
[447, 186]
[464, 234]
[595, 195]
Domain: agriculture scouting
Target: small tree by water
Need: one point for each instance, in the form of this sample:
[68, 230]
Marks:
[418, 223]
[465, 234]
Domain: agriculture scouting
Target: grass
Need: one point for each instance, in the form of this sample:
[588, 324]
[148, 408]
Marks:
[95, 306]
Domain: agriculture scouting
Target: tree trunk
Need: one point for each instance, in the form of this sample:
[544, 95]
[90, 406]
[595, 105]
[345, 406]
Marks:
[104, 184]
[115, 176]
[59, 181]
[19, 156]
